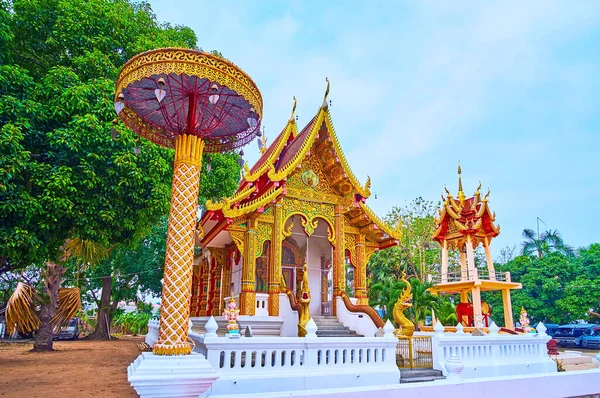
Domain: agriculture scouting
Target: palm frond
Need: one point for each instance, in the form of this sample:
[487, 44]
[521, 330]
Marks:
[20, 310]
[86, 251]
[529, 234]
[69, 303]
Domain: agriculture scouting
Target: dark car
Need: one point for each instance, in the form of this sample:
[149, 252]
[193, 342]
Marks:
[590, 338]
[566, 335]
[70, 331]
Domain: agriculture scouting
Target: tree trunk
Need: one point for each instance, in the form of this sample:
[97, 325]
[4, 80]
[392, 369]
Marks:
[53, 279]
[102, 331]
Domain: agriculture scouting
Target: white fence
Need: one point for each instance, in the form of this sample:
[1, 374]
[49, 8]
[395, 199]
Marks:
[263, 365]
[493, 354]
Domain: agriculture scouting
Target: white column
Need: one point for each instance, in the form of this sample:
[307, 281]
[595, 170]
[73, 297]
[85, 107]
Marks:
[471, 259]
[463, 265]
[489, 260]
[445, 262]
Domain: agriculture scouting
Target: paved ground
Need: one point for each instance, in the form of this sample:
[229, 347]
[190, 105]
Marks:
[76, 369]
[584, 351]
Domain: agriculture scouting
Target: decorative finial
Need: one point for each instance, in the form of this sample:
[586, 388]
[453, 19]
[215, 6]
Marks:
[368, 183]
[293, 110]
[461, 194]
[326, 94]
[485, 198]
[246, 169]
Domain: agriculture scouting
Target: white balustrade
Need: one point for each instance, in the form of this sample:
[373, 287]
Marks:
[262, 304]
[266, 364]
[493, 354]
[152, 335]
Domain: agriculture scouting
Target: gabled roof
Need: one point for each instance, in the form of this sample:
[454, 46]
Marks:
[465, 216]
[265, 181]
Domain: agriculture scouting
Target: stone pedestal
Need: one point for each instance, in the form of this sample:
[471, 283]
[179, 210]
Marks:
[180, 376]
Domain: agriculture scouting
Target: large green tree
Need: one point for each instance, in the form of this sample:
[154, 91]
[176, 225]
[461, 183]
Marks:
[62, 177]
[417, 253]
[557, 288]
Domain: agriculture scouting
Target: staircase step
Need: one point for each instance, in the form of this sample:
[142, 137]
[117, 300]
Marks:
[420, 375]
[425, 372]
[420, 379]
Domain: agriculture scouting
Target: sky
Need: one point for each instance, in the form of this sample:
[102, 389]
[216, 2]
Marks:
[511, 89]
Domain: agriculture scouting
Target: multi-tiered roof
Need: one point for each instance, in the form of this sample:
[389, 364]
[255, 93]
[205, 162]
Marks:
[462, 216]
[267, 180]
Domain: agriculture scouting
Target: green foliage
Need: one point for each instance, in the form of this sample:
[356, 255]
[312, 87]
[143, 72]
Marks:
[132, 322]
[557, 288]
[547, 242]
[417, 254]
[61, 174]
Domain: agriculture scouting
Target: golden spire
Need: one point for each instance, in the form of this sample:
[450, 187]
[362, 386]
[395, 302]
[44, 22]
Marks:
[461, 194]
[326, 94]
[293, 110]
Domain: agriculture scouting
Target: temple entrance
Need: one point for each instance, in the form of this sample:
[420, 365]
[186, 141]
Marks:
[317, 252]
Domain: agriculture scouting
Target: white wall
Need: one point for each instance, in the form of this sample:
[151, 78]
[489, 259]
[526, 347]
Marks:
[555, 385]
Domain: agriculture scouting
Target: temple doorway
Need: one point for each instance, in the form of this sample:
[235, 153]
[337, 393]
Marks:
[317, 252]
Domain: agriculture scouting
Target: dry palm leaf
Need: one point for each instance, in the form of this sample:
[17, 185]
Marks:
[20, 312]
[69, 303]
[86, 251]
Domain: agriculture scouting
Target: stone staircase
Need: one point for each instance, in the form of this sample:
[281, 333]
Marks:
[419, 375]
[329, 326]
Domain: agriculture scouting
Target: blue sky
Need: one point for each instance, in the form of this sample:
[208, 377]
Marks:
[509, 88]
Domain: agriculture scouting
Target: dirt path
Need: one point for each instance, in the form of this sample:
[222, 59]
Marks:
[76, 369]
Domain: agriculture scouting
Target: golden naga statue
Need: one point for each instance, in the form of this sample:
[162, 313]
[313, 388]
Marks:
[304, 314]
[407, 328]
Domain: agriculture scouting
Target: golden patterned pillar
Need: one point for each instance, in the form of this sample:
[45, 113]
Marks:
[212, 285]
[218, 286]
[360, 272]
[194, 301]
[275, 265]
[248, 294]
[175, 308]
[226, 282]
[339, 256]
[204, 288]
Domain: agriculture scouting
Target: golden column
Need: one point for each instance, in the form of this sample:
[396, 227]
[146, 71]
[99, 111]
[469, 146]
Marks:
[204, 288]
[339, 256]
[174, 314]
[275, 266]
[226, 282]
[360, 272]
[248, 293]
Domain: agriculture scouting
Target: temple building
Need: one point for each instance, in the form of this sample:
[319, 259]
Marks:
[300, 203]
[463, 224]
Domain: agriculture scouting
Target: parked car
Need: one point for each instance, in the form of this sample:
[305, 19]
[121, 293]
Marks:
[566, 334]
[552, 328]
[590, 338]
[70, 331]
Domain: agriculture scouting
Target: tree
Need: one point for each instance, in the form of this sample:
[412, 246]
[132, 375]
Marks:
[548, 242]
[62, 177]
[417, 253]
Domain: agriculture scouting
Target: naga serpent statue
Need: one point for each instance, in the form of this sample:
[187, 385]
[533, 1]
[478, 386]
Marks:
[407, 328]
[304, 300]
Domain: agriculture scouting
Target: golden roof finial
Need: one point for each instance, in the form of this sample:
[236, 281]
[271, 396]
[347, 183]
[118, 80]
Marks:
[263, 147]
[368, 183]
[326, 94]
[293, 110]
[461, 194]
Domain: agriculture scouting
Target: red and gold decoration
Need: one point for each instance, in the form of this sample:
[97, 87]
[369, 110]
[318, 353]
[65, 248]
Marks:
[463, 224]
[302, 181]
[194, 102]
